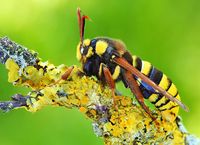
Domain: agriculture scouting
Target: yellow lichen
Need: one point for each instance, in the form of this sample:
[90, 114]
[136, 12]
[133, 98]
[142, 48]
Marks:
[108, 127]
[117, 131]
[126, 101]
[13, 69]
[84, 100]
[94, 100]
[93, 112]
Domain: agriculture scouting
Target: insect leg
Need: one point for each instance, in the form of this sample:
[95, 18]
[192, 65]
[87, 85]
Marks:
[109, 81]
[67, 73]
[65, 76]
[132, 84]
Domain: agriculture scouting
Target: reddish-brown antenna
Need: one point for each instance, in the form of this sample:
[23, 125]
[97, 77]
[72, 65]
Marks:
[81, 23]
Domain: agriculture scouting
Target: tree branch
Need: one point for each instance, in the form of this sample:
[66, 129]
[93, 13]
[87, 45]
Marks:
[127, 125]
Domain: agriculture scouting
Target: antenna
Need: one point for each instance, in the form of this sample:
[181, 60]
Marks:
[81, 23]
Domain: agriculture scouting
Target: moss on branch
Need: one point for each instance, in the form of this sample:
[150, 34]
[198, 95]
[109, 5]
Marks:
[127, 125]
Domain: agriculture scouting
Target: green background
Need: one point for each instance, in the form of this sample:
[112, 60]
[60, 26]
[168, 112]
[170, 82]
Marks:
[164, 32]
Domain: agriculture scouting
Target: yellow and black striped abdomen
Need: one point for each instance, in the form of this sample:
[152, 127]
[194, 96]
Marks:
[169, 109]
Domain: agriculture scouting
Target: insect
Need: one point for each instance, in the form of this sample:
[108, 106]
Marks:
[110, 62]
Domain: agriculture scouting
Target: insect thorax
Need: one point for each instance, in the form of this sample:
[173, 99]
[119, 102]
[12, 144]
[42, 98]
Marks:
[102, 53]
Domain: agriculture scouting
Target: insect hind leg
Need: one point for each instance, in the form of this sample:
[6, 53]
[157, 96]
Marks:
[133, 85]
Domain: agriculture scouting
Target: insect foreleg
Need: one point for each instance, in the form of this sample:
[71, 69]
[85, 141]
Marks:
[65, 76]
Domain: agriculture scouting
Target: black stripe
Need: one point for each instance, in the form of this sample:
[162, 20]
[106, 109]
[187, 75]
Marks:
[146, 93]
[156, 75]
[160, 95]
[168, 87]
[138, 63]
[128, 57]
[176, 94]
[169, 108]
[163, 104]
[167, 101]
[169, 84]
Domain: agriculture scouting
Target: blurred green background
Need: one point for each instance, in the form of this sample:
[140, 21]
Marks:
[164, 32]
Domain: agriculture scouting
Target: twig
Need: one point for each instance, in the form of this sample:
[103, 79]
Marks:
[127, 125]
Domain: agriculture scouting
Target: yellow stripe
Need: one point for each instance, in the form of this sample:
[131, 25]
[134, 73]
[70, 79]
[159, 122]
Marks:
[100, 69]
[78, 53]
[164, 83]
[178, 97]
[153, 97]
[134, 60]
[170, 104]
[170, 115]
[90, 52]
[146, 66]
[161, 101]
[172, 90]
[116, 72]
[86, 42]
[101, 47]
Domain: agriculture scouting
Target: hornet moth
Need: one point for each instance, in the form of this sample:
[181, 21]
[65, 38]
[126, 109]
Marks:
[110, 61]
